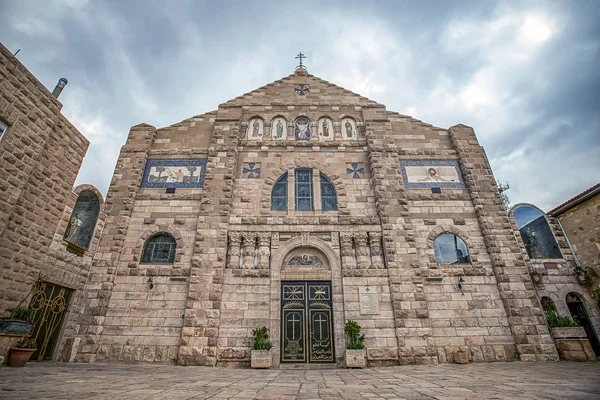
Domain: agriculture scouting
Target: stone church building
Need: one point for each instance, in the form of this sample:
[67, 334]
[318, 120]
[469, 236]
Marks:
[299, 206]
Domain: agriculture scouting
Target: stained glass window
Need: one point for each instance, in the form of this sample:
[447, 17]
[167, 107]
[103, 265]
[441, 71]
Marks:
[304, 190]
[160, 249]
[279, 198]
[328, 195]
[450, 249]
[536, 233]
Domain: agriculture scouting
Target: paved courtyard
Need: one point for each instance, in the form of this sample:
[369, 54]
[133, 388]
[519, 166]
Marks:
[137, 381]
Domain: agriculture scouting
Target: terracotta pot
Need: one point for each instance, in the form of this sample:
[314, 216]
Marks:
[18, 357]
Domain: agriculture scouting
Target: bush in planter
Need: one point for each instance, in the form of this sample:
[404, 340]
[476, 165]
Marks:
[555, 320]
[21, 353]
[22, 313]
[261, 339]
[354, 340]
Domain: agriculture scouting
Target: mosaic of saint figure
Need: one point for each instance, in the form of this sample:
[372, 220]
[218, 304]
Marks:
[432, 176]
[74, 225]
[302, 128]
[255, 129]
[348, 127]
[325, 128]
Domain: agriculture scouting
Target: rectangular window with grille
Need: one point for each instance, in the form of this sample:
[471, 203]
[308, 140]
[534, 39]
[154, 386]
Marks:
[304, 190]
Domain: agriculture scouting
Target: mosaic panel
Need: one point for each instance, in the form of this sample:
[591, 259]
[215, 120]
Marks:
[255, 129]
[325, 128]
[251, 170]
[279, 128]
[160, 174]
[349, 131]
[426, 174]
[302, 128]
[357, 170]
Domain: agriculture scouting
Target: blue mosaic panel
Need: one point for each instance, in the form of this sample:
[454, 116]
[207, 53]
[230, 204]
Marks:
[302, 90]
[302, 128]
[356, 169]
[251, 171]
[185, 174]
[425, 174]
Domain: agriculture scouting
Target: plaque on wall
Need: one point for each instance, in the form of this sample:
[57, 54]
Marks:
[187, 174]
[369, 300]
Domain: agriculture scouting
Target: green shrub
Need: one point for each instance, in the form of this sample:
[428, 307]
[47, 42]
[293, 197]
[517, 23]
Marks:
[26, 343]
[261, 339]
[354, 340]
[22, 313]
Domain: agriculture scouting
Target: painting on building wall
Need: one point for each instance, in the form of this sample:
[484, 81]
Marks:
[349, 131]
[431, 173]
[279, 128]
[174, 174]
[255, 129]
[302, 128]
[325, 128]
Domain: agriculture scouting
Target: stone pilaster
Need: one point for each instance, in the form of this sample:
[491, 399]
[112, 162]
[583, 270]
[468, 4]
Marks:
[346, 250]
[362, 251]
[248, 249]
[528, 325]
[377, 261]
[264, 250]
[235, 239]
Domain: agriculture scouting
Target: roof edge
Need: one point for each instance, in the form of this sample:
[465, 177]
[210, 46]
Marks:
[575, 200]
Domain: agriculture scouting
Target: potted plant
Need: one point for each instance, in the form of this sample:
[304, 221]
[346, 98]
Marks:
[260, 356]
[20, 318]
[562, 327]
[21, 353]
[355, 346]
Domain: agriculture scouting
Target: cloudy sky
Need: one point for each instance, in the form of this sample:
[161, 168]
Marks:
[524, 74]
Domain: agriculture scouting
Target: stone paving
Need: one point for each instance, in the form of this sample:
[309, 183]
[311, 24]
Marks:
[512, 381]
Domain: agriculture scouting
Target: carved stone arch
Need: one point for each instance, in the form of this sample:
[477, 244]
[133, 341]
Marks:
[513, 208]
[156, 229]
[559, 303]
[451, 229]
[251, 117]
[287, 247]
[346, 115]
[326, 116]
[277, 172]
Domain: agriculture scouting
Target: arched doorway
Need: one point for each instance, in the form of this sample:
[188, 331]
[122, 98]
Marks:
[577, 310]
[309, 323]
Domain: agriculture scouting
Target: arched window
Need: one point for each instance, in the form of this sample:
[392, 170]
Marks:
[328, 194]
[536, 233]
[83, 220]
[159, 249]
[279, 198]
[450, 249]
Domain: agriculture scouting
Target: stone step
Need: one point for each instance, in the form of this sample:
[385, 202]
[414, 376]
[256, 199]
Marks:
[308, 366]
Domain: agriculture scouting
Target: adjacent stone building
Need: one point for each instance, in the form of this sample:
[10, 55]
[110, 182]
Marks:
[40, 156]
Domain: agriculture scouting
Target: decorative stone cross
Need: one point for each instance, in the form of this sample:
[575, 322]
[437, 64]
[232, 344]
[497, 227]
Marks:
[355, 171]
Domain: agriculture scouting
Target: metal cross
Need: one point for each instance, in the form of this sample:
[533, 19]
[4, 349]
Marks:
[293, 320]
[320, 322]
[300, 56]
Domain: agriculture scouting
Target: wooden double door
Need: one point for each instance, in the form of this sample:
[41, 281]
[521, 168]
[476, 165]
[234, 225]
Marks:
[306, 322]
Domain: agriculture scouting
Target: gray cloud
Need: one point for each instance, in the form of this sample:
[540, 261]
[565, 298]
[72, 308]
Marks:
[522, 73]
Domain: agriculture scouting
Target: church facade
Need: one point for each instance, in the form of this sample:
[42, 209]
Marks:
[300, 206]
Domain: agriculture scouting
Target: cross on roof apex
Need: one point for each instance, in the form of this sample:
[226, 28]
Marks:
[301, 69]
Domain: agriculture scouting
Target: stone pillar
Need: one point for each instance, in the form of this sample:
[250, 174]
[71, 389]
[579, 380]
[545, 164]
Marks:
[264, 250]
[525, 316]
[346, 250]
[235, 239]
[362, 251]
[377, 261]
[249, 247]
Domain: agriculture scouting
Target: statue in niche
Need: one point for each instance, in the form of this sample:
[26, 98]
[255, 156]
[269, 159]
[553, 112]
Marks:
[74, 225]
[279, 130]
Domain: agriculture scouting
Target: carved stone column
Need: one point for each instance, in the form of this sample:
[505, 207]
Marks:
[346, 250]
[264, 250]
[362, 251]
[249, 246]
[377, 261]
[235, 239]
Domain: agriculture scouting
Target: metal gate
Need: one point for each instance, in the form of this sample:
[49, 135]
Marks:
[306, 322]
[50, 304]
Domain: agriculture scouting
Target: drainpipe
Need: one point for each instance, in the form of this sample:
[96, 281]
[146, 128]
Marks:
[569, 243]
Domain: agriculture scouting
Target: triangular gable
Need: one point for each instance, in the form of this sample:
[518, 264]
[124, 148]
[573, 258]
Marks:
[283, 91]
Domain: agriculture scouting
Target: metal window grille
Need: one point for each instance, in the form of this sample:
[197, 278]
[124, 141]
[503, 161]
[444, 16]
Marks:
[304, 190]
[160, 249]
[279, 197]
[328, 194]
[450, 249]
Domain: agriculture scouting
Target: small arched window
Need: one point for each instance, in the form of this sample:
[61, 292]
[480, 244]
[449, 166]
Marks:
[83, 220]
[536, 233]
[450, 249]
[328, 194]
[279, 198]
[159, 249]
